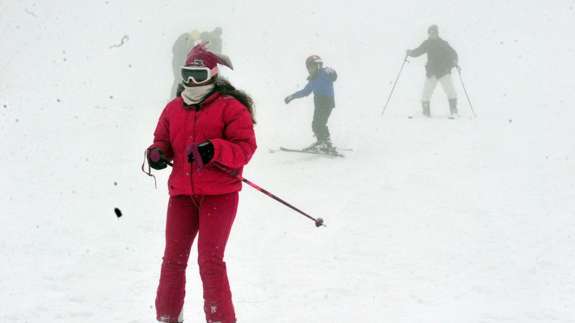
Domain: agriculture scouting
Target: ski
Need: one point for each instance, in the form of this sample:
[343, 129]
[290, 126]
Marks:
[332, 154]
[419, 117]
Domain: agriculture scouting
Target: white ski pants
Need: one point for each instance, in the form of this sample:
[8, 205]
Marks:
[430, 84]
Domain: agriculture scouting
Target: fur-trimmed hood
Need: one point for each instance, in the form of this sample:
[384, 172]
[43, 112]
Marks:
[224, 87]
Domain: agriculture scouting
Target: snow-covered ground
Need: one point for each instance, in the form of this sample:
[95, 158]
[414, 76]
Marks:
[433, 221]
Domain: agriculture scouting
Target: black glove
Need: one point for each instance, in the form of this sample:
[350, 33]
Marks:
[156, 158]
[205, 150]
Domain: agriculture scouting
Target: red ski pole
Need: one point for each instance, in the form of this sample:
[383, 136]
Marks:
[318, 221]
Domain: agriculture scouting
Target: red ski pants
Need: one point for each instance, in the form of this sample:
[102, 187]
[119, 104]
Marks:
[211, 218]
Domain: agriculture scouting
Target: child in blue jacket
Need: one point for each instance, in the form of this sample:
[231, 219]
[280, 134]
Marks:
[320, 82]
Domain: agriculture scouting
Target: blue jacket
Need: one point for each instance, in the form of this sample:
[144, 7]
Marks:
[321, 84]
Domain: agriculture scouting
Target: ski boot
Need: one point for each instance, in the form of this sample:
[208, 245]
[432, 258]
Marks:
[327, 148]
[453, 108]
[315, 147]
[425, 105]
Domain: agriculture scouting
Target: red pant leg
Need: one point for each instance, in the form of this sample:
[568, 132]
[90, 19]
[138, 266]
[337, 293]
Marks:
[181, 229]
[217, 213]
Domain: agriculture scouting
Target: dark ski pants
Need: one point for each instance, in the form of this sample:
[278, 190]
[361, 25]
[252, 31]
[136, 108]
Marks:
[211, 218]
[319, 127]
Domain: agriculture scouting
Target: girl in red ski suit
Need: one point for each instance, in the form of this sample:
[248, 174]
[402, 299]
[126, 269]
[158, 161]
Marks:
[207, 134]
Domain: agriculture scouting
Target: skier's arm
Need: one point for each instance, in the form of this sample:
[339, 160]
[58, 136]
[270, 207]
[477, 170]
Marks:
[162, 136]
[238, 144]
[299, 94]
[422, 49]
[303, 92]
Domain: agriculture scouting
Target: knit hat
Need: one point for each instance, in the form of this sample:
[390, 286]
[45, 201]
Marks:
[201, 56]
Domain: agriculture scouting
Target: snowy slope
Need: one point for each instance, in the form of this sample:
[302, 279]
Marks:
[427, 220]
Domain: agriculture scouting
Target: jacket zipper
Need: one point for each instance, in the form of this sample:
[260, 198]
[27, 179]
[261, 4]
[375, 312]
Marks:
[195, 112]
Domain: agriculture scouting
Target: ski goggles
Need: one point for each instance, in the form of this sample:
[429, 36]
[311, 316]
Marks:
[197, 74]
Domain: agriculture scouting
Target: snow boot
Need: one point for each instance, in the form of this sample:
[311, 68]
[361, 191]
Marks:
[313, 147]
[425, 105]
[453, 108]
[167, 319]
[327, 147]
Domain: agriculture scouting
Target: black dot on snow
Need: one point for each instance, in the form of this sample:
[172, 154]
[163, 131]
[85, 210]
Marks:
[510, 120]
[115, 183]
[111, 97]
[58, 100]
[17, 120]
[118, 212]
[5, 106]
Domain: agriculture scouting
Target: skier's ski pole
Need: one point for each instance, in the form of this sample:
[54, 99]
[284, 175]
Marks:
[394, 84]
[466, 94]
[318, 221]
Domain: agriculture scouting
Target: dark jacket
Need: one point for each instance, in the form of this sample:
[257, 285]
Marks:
[441, 57]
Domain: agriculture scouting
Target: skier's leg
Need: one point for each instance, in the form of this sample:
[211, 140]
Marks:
[425, 107]
[449, 89]
[324, 135]
[217, 213]
[321, 116]
[428, 89]
[453, 107]
[181, 229]
[316, 123]
[315, 129]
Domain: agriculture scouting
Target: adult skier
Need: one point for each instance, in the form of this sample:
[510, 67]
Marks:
[207, 134]
[214, 39]
[441, 58]
[320, 82]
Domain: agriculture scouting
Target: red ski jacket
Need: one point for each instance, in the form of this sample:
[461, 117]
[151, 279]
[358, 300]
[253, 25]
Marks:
[225, 122]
